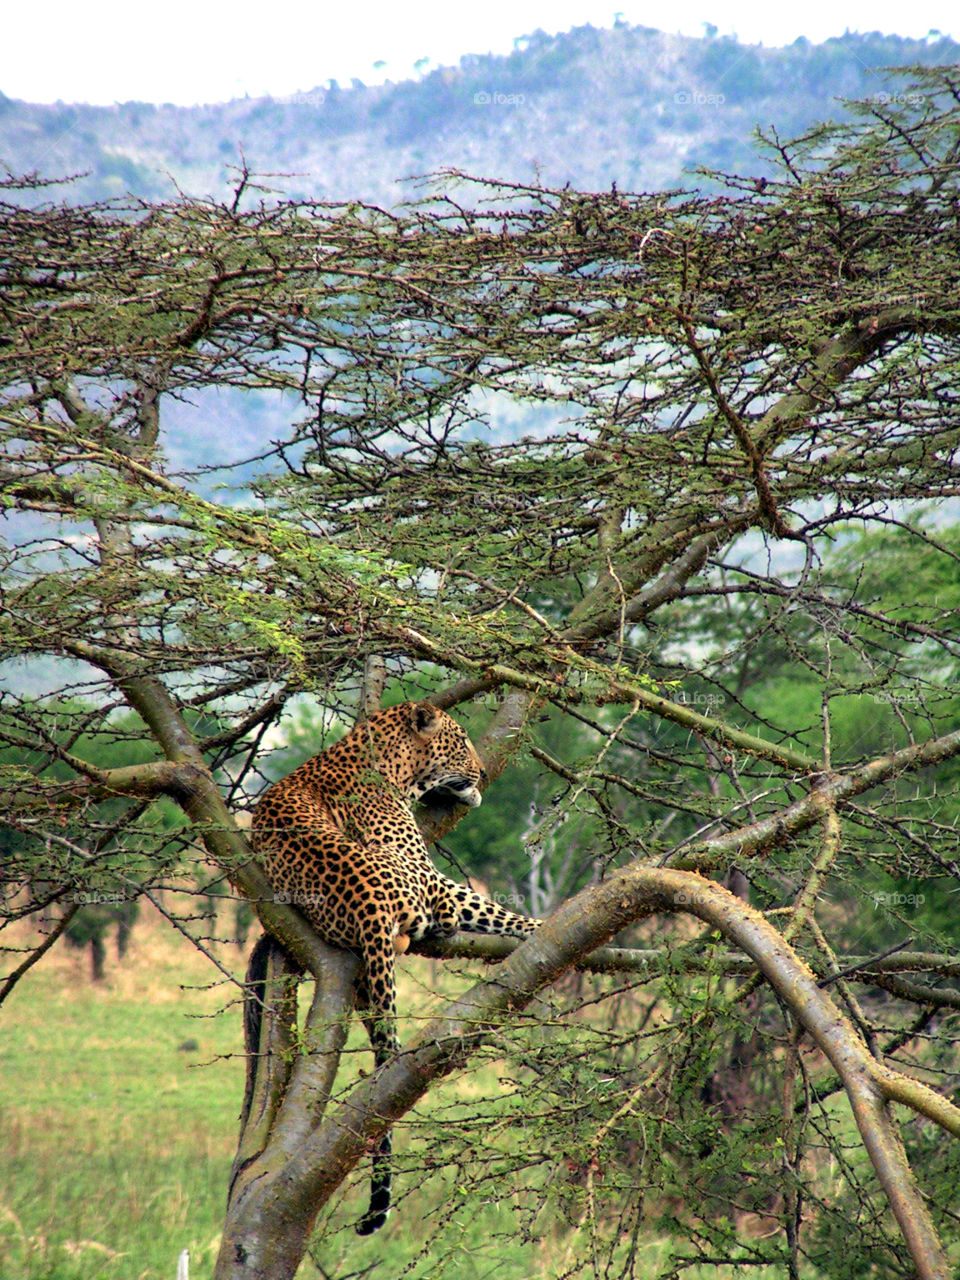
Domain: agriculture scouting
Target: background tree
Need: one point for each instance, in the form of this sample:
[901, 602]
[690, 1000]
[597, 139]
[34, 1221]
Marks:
[729, 410]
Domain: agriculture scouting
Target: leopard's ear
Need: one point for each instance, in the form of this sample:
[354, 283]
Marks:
[424, 719]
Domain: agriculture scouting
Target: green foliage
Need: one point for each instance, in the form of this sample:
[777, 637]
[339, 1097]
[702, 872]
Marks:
[687, 618]
[97, 865]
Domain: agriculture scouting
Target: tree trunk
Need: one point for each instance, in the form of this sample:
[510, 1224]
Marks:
[98, 955]
[268, 1222]
[268, 1228]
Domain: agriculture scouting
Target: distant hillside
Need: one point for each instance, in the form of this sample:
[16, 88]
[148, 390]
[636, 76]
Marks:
[628, 105]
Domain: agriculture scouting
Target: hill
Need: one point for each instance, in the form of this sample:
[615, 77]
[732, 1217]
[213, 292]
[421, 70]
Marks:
[589, 107]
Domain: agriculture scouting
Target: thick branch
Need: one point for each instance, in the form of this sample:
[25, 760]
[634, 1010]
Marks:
[576, 929]
[652, 962]
[147, 781]
[835, 790]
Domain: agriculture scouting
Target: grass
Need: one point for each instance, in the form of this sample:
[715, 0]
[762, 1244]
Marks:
[117, 1139]
[119, 1124]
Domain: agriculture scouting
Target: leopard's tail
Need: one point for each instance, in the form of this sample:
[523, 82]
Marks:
[268, 960]
[379, 1206]
[254, 988]
[385, 1045]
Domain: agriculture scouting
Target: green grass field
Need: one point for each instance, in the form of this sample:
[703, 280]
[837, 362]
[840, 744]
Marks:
[118, 1126]
[117, 1141]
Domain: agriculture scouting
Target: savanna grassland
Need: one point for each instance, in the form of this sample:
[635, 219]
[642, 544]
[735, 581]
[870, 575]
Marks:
[119, 1116]
[119, 1111]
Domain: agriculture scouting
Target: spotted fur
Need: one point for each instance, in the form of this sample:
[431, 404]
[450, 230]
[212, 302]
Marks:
[339, 839]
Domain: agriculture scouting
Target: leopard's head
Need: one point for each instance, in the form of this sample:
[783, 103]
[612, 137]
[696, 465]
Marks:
[442, 757]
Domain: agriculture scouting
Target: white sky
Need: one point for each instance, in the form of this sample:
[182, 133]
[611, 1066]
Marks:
[189, 51]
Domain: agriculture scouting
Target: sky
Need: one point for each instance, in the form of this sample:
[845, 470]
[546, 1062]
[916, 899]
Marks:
[190, 51]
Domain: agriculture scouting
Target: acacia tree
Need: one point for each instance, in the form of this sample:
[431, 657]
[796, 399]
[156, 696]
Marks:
[718, 395]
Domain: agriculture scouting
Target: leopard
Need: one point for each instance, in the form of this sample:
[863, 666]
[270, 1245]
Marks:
[338, 838]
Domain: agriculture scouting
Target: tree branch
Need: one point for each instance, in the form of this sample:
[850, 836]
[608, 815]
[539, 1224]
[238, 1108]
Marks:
[577, 928]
